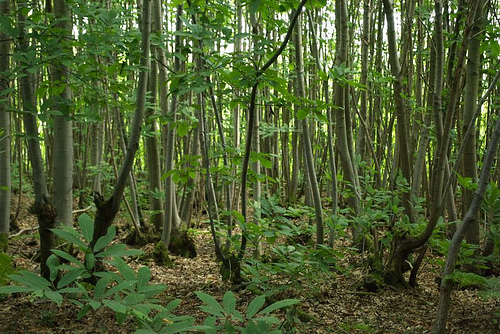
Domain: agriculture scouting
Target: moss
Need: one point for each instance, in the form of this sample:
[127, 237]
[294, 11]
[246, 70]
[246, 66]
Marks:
[4, 242]
[160, 255]
[231, 270]
[148, 235]
[6, 268]
[182, 244]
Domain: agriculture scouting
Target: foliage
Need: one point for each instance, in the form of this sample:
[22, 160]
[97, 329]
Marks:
[6, 268]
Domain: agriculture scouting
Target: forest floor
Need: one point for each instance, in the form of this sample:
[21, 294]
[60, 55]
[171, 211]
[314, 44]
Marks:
[334, 301]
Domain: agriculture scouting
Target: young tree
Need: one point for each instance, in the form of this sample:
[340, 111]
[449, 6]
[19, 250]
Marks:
[5, 136]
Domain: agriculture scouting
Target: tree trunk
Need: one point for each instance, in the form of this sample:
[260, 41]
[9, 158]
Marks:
[467, 221]
[107, 210]
[473, 78]
[5, 134]
[62, 173]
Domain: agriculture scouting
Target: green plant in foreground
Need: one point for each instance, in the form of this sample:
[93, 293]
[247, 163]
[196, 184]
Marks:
[129, 293]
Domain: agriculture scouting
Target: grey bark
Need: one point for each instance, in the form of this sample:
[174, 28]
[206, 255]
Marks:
[62, 173]
[107, 209]
[5, 134]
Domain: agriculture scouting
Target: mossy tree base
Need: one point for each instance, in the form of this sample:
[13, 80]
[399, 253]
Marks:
[231, 270]
[182, 244]
[160, 255]
[147, 235]
[4, 242]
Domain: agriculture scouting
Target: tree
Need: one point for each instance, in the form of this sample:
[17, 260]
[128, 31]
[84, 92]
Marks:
[107, 209]
[5, 135]
[62, 195]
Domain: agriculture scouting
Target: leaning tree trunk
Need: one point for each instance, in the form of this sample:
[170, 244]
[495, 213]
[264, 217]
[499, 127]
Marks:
[107, 209]
[5, 137]
[467, 221]
[62, 173]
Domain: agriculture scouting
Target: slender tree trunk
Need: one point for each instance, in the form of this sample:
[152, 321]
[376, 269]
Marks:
[152, 147]
[309, 158]
[62, 194]
[403, 129]
[5, 134]
[473, 78]
[169, 223]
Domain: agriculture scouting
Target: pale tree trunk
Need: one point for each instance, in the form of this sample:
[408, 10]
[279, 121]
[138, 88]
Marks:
[473, 77]
[346, 158]
[152, 147]
[5, 136]
[107, 209]
[62, 173]
[363, 110]
[257, 187]
[170, 224]
[309, 158]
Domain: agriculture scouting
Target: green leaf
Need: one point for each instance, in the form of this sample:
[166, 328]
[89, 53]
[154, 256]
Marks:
[16, 288]
[67, 257]
[100, 287]
[87, 226]
[229, 302]
[70, 277]
[124, 269]
[255, 306]
[302, 114]
[30, 279]
[278, 305]
[143, 276]
[105, 240]
[115, 306]
[55, 296]
[116, 253]
[254, 6]
[53, 264]
[119, 288]
[89, 261]
[212, 306]
[71, 236]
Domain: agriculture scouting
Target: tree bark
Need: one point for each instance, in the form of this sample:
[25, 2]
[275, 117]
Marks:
[62, 173]
[107, 209]
[5, 134]
[467, 221]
